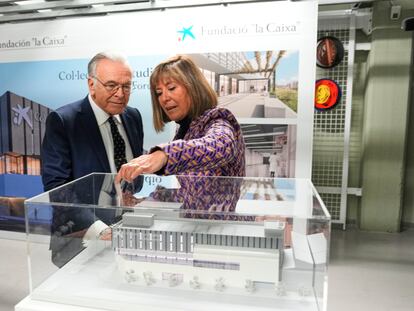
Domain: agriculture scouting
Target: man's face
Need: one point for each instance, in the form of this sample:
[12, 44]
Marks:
[111, 75]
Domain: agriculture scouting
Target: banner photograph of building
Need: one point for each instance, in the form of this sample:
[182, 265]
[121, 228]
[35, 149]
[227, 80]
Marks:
[21, 132]
[256, 84]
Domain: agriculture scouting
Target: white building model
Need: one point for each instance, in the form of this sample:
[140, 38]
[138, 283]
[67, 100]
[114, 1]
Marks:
[207, 254]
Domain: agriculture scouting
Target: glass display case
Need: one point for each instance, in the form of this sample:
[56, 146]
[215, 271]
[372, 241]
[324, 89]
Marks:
[180, 243]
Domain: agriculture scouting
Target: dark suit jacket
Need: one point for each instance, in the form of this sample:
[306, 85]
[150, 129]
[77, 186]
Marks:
[73, 147]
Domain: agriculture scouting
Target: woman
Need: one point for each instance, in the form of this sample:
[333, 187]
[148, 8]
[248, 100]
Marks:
[208, 141]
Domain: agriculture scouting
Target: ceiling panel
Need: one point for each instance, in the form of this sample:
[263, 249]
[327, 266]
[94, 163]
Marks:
[29, 10]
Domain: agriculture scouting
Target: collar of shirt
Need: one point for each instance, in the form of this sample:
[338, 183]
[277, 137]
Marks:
[100, 115]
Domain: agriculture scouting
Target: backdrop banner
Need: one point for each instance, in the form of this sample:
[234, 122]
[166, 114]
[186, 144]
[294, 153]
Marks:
[260, 59]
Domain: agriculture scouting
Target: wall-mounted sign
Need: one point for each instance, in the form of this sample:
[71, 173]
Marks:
[327, 94]
[329, 52]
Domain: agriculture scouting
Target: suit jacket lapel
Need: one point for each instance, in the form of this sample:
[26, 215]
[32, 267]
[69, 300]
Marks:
[131, 133]
[88, 122]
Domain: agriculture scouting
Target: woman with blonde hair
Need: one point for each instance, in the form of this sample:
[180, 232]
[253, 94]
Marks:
[208, 141]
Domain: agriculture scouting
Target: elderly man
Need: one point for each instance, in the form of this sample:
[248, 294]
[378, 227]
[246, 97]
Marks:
[96, 134]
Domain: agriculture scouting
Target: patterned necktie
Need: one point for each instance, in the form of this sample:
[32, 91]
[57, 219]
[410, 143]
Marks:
[119, 145]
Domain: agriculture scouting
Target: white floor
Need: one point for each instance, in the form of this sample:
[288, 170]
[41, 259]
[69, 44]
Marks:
[13, 270]
[371, 271]
[368, 271]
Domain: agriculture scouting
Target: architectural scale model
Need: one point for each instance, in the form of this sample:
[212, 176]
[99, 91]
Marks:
[199, 253]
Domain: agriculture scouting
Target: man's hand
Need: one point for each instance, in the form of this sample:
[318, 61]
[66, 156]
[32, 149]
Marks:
[106, 234]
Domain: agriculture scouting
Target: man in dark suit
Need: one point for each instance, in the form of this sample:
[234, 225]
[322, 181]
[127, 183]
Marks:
[96, 134]
[78, 138]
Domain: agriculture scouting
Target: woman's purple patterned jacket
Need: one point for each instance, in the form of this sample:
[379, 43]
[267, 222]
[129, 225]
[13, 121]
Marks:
[212, 146]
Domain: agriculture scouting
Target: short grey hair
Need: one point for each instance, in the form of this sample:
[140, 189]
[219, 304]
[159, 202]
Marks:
[116, 57]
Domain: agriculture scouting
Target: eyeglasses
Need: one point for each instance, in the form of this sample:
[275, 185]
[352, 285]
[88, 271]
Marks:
[112, 87]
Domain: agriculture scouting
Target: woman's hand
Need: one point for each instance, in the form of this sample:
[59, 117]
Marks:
[145, 164]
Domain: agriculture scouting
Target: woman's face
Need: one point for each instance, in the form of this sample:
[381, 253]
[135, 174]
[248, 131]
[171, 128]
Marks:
[173, 98]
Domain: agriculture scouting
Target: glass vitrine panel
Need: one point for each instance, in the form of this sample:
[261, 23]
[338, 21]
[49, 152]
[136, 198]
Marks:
[180, 243]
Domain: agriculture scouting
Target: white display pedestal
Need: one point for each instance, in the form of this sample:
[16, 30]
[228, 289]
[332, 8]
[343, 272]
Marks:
[28, 304]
